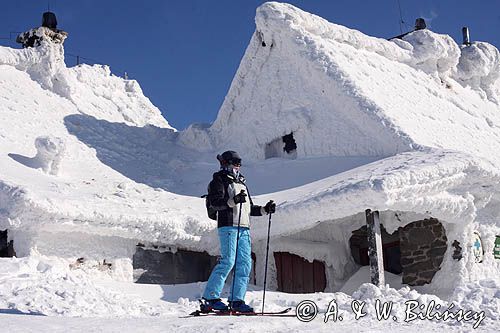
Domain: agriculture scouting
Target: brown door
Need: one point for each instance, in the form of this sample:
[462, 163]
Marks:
[297, 275]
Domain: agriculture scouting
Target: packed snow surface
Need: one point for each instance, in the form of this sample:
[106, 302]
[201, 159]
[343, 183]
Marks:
[32, 288]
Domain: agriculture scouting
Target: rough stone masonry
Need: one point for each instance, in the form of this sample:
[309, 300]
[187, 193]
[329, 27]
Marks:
[423, 245]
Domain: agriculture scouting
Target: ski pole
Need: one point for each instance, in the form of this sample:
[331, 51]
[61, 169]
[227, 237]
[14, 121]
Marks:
[236, 256]
[267, 257]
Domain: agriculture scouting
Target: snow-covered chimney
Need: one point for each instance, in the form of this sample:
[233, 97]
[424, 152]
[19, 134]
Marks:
[420, 24]
[466, 36]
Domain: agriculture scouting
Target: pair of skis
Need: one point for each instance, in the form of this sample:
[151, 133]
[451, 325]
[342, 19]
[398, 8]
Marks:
[282, 313]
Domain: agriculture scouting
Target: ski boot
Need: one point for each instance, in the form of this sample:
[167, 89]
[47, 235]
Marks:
[211, 305]
[240, 306]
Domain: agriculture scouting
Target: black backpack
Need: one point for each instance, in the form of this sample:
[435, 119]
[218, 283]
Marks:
[211, 212]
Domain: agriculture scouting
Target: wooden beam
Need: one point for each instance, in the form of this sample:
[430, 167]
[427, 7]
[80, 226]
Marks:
[375, 252]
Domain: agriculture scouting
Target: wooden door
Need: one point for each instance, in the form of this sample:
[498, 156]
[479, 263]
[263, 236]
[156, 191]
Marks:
[297, 275]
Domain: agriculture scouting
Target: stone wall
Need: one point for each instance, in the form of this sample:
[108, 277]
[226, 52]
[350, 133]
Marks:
[423, 245]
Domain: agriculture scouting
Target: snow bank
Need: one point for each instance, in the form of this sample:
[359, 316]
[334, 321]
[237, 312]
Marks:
[48, 286]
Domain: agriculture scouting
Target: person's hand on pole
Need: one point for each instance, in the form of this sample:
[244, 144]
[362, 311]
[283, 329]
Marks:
[270, 207]
[240, 197]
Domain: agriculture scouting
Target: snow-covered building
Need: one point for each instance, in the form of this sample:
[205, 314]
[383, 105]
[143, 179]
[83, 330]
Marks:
[423, 108]
[331, 122]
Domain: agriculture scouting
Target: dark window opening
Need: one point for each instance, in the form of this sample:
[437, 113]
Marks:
[183, 266]
[297, 275]
[284, 147]
[6, 247]
[390, 249]
[290, 144]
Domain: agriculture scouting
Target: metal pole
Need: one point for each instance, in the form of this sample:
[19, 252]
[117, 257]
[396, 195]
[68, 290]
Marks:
[375, 252]
[466, 36]
[267, 257]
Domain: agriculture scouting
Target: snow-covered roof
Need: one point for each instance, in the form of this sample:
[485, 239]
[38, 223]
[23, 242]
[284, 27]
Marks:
[425, 131]
[434, 183]
[343, 93]
[42, 98]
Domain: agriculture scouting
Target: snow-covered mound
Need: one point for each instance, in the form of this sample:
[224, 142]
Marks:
[48, 287]
[343, 93]
[479, 68]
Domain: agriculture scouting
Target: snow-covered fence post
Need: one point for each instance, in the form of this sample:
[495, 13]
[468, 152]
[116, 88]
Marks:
[375, 248]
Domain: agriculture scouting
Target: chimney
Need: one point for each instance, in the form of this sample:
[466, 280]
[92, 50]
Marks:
[49, 20]
[466, 36]
[420, 24]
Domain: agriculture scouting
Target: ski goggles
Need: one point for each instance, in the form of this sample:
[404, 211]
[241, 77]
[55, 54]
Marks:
[236, 162]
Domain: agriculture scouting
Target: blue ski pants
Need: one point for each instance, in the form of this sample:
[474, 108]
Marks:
[227, 238]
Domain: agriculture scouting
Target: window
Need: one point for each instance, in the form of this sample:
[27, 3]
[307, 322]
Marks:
[6, 247]
[284, 147]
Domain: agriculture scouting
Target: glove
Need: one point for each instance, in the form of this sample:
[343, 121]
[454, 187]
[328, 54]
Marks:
[240, 197]
[270, 207]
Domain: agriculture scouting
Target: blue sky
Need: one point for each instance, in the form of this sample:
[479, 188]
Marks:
[184, 53]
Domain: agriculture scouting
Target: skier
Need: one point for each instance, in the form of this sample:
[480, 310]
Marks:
[227, 193]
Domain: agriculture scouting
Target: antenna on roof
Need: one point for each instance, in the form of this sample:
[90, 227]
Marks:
[48, 5]
[401, 22]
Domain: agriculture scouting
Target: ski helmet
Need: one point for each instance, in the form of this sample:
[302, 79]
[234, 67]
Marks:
[229, 157]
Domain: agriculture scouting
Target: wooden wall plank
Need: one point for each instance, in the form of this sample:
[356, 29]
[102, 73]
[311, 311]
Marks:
[319, 276]
[297, 275]
[308, 277]
[279, 269]
[287, 270]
